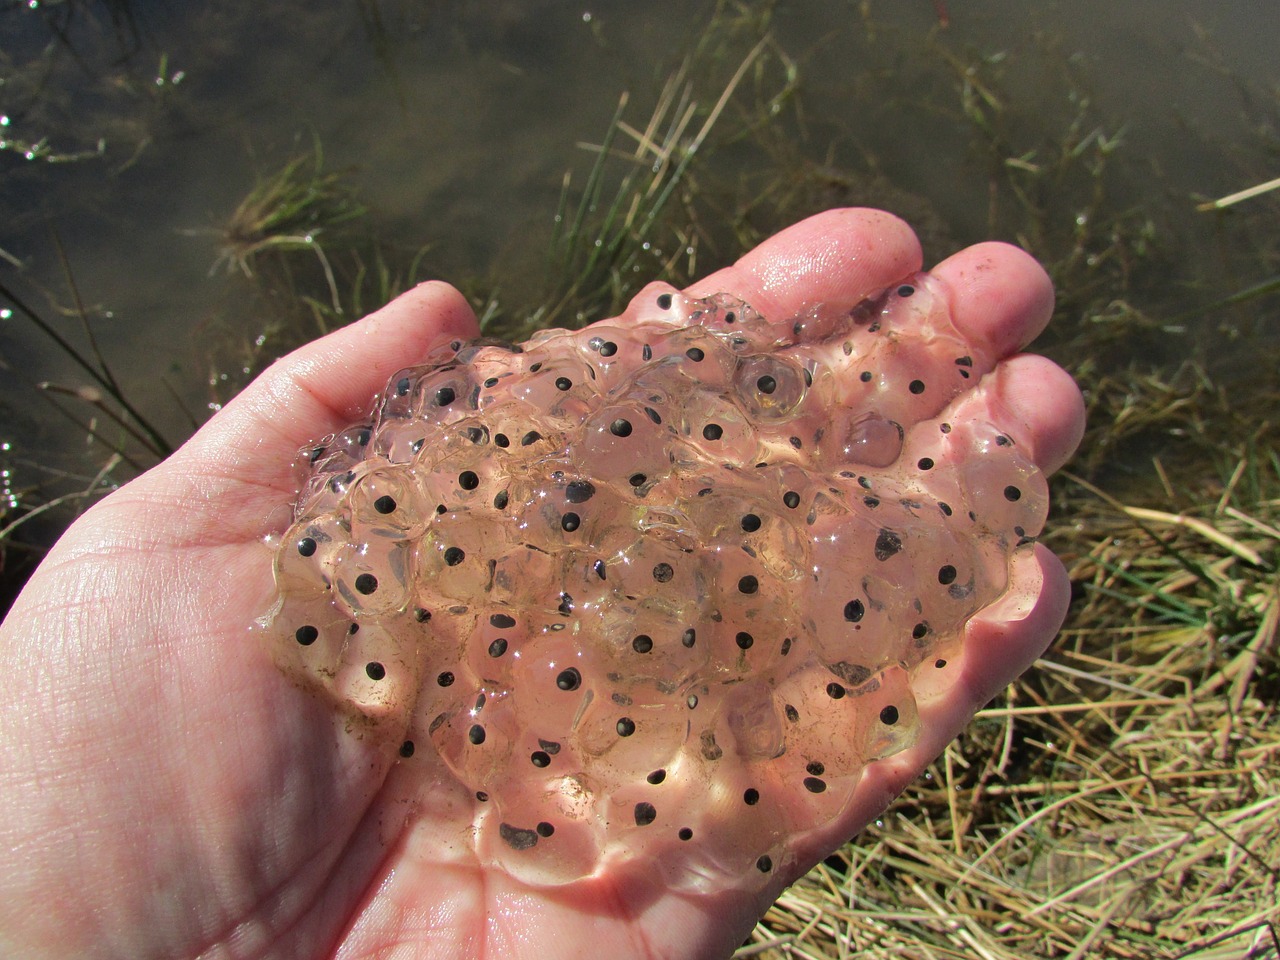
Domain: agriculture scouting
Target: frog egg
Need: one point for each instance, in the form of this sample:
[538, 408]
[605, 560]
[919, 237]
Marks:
[493, 647]
[680, 363]
[882, 590]
[753, 628]
[475, 736]
[657, 308]
[444, 395]
[324, 493]
[732, 518]
[398, 400]
[603, 349]
[716, 431]
[488, 360]
[544, 832]
[548, 383]
[373, 579]
[1004, 491]
[723, 819]
[852, 634]
[705, 359]
[448, 685]
[519, 430]
[628, 730]
[652, 639]
[821, 324]
[341, 453]
[384, 504]
[818, 722]
[669, 308]
[569, 411]
[889, 722]
[937, 672]
[517, 570]
[749, 725]
[557, 680]
[399, 441]
[466, 479]
[742, 588]
[656, 567]
[308, 640]
[770, 388]
[646, 823]
[586, 581]
[787, 489]
[911, 381]
[569, 511]
[661, 384]
[817, 775]
[917, 305]
[450, 561]
[622, 441]
[485, 351]
[868, 440]
[375, 677]
[725, 314]
[464, 470]
[548, 341]
[713, 514]
[304, 560]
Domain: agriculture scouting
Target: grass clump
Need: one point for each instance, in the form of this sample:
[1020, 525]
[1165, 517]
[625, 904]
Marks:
[646, 209]
[301, 247]
[292, 210]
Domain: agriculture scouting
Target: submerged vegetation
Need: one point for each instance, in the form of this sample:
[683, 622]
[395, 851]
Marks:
[1121, 800]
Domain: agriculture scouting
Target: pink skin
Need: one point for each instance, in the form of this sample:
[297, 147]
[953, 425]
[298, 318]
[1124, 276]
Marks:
[168, 793]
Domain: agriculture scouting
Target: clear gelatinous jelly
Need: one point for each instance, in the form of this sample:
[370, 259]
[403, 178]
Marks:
[661, 587]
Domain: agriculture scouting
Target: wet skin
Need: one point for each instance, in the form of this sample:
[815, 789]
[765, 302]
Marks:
[170, 793]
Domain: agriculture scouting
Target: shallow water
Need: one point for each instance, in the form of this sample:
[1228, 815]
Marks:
[462, 119]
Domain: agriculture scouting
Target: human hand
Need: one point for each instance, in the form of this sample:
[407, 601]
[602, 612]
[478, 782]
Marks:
[169, 792]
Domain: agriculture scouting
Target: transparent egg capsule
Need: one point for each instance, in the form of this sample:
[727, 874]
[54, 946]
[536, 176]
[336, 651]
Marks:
[770, 388]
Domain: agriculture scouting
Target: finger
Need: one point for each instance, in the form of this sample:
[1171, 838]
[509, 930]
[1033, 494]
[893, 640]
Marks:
[1002, 299]
[1036, 403]
[837, 257]
[1000, 296]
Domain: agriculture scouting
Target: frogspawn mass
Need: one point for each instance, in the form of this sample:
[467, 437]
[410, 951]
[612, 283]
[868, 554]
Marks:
[660, 587]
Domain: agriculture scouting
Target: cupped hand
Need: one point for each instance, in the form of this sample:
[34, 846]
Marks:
[169, 793]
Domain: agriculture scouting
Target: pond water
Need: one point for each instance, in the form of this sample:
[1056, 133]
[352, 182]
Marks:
[147, 122]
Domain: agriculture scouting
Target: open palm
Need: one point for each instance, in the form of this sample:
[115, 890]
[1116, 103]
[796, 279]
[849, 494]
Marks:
[168, 793]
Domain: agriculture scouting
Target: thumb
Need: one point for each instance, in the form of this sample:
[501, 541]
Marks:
[239, 463]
